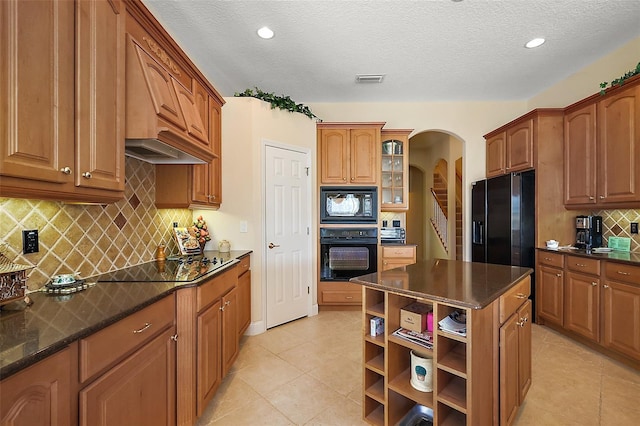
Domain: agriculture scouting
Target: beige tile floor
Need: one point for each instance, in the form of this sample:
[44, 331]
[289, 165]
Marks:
[309, 372]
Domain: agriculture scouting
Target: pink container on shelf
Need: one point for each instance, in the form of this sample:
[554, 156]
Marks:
[430, 321]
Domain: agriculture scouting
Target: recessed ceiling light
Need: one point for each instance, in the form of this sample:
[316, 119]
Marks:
[534, 43]
[265, 33]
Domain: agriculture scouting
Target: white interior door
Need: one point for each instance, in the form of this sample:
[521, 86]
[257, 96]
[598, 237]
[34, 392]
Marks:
[288, 221]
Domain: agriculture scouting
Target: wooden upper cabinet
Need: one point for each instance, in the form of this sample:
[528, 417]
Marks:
[602, 150]
[193, 119]
[580, 155]
[362, 155]
[62, 107]
[160, 85]
[349, 153]
[100, 55]
[511, 149]
[496, 157]
[519, 146]
[334, 154]
[619, 147]
[36, 90]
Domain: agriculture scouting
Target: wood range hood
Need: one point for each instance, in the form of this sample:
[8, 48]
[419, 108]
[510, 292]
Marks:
[163, 125]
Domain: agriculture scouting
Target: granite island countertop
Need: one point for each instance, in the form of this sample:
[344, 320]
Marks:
[465, 284]
[54, 321]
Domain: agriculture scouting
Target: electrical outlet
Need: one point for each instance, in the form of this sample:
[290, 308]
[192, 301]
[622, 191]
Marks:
[30, 241]
[634, 227]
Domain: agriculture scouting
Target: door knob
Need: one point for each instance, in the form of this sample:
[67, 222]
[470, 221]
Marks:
[271, 245]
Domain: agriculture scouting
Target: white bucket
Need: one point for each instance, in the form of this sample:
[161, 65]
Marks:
[421, 372]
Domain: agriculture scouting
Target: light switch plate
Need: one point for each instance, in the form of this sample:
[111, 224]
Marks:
[30, 241]
[243, 226]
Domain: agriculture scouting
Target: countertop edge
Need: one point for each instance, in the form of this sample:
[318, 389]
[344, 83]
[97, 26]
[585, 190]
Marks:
[17, 366]
[634, 258]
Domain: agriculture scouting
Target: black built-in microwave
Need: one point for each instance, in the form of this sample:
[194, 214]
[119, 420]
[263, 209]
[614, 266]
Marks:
[348, 204]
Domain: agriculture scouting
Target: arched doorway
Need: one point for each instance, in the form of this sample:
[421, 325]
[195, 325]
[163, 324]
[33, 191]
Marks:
[426, 149]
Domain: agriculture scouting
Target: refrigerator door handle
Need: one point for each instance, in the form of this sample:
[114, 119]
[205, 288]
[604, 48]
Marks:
[477, 232]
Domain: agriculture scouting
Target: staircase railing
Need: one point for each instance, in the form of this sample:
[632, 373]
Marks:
[439, 220]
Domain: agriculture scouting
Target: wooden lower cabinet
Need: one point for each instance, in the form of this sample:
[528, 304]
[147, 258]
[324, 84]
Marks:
[621, 317]
[397, 256]
[550, 294]
[209, 354]
[582, 305]
[140, 390]
[515, 362]
[593, 300]
[244, 302]
[230, 343]
[474, 378]
[39, 395]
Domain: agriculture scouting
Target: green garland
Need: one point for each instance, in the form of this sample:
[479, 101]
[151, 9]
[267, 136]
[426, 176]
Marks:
[620, 81]
[282, 102]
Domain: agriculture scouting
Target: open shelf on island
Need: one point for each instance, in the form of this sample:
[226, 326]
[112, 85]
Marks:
[402, 385]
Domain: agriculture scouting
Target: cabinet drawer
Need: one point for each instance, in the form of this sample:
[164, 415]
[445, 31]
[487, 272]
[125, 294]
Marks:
[215, 288]
[514, 298]
[622, 272]
[584, 265]
[394, 252]
[339, 293]
[244, 265]
[107, 346]
[343, 297]
[551, 259]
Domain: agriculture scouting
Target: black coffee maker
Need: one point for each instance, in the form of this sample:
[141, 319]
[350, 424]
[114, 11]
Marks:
[588, 232]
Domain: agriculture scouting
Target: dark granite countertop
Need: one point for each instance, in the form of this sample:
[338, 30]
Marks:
[54, 321]
[465, 284]
[614, 256]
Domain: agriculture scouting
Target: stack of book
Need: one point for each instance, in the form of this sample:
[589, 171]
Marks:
[455, 323]
[424, 339]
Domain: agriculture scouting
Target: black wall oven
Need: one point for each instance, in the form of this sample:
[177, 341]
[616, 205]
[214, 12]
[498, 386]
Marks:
[348, 204]
[347, 252]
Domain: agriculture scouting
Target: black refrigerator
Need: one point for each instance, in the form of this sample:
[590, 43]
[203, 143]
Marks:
[503, 221]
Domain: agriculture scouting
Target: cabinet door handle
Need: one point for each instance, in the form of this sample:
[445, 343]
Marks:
[227, 303]
[66, 170]
[602, 197]
[547, 258]
[558, 275]
[605, 286]
[522, 321]
[222, 307]
[521, 296]
[349, 297]
[86, 175]
[591, 198]
[140, 330]
[582, 265]
[594, 284]
[623, 273]
[174, 337]
[344, 178]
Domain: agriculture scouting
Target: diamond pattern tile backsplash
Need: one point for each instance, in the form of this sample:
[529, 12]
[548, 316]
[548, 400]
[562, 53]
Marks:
[618, 223]
[91, 239]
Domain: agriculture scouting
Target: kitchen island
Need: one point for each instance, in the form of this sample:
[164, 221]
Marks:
[478, 378]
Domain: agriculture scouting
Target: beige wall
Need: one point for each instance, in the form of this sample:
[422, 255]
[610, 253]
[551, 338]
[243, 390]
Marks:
[246, 124]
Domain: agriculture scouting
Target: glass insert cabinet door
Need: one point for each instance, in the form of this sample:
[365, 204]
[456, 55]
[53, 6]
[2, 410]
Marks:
[395, 167]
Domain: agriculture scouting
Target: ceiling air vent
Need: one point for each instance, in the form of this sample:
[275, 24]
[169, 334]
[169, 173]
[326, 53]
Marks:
[369, 78]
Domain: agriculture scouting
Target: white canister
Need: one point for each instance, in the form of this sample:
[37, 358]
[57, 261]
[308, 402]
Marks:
[421, 372]
[224, 246]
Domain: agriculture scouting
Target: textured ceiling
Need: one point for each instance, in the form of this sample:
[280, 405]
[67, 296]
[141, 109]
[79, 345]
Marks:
[430, 50]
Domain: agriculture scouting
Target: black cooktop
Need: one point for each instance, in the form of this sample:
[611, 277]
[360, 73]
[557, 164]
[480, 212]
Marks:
[179, 270]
